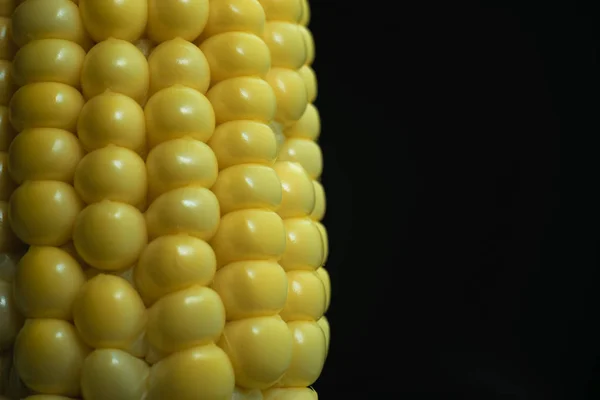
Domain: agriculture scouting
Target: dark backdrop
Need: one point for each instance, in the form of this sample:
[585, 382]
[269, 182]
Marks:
[462, 166]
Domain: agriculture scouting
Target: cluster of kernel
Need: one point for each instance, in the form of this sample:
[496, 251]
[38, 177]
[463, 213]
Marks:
[251, 236]
[185, 317]
[291, 49]
[300, 145]
[11, 248]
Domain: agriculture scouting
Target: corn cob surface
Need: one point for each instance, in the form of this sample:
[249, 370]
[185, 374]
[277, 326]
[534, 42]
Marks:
[160, 207]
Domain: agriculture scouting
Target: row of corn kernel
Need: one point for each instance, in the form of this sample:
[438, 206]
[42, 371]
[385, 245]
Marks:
[300, 146]
[10, 247]
[304, 254]
[186, 318]
[42, 160]
[250, 239]
[110, 233]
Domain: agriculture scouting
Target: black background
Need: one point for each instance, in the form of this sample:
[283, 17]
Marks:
[462, 166]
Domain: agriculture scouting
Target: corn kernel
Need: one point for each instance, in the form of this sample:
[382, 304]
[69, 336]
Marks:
[251, 289]
[112, 374]
[48, 60]
[178, 62]
[112, 118]
[171, 263]
[199, 373]
[118, 66]
[117, 19]
[40, 154]
[49, 355]
[248, 342]
[177, 112]
[109, 313]
[43, 212]
[110, 235]
[46, 283]
[45, 105]
[48, 19]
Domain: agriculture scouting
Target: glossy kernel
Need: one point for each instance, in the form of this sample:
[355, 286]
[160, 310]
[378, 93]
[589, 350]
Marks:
[290, 92]
[180, 162]
[249, 235]
[306, 299]
[6, 82]
[320, 207]
[243, 142]
[234, 16]
[119, 19]
[176, 112]
[47, 282]
[110, 235]
[112, 173]
[48, 60]
[189, 210]
[118, 66]
[290, 394]
[286, 42]
[169, 19]
[200, 373]
[109, 313]
[309, 352]
[185, 319]
[247, 186]
[243, 98]
[45, 105]
[235, 54]
[282, 10]
[48, 19]
[310, 82]
[42, 213]
[49, 355]
[250, 342]
[171, 263]
[112, 118]
[304, 152]
[111, 374]
[298, 192]
[307, 127]
[304, 249]
[44, 154]
[178, 62]
[251, 288]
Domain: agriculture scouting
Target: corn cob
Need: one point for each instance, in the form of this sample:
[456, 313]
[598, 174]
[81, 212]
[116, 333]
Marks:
[121, 140]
